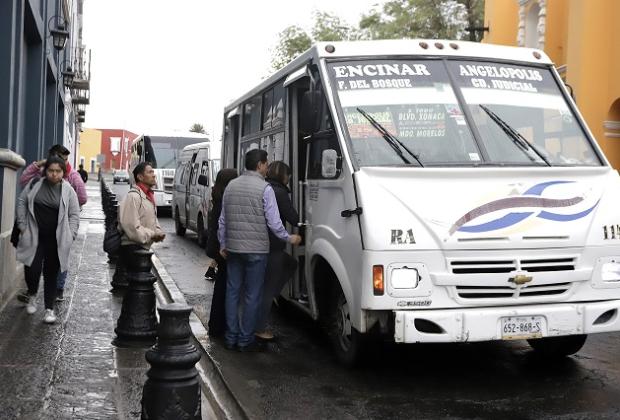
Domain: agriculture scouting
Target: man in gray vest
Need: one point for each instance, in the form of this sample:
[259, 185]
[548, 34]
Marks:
[249, 208]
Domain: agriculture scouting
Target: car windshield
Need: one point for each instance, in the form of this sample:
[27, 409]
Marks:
[426, 108]
[121, 173]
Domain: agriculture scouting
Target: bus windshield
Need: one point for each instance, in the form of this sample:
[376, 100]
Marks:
[163, 152]
[411, 112]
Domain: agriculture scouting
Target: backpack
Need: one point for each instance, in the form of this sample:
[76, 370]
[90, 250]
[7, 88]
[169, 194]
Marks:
[15, 232]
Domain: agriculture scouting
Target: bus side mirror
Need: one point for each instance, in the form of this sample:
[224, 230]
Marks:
[203, 180]
[329, 163]
[309, 112]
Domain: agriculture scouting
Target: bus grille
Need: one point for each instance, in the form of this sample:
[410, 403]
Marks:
[506, 266]
[503, 292]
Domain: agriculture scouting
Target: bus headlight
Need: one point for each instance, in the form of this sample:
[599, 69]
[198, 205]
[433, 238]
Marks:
[610, 271]
[404, 278]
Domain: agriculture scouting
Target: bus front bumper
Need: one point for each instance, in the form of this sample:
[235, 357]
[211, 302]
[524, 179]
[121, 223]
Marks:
[506, 323]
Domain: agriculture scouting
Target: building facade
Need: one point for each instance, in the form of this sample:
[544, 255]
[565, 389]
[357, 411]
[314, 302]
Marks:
[583, 40]
[44, 89]
[116, 148]
[89, 150]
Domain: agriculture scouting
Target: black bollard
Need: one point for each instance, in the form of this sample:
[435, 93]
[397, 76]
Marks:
[119, 278]
[137, 323]
[172, 390]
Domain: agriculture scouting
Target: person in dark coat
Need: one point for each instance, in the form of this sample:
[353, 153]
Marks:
[280, 265]
[217, 316]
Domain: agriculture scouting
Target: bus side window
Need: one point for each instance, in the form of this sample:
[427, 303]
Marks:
[195, 167]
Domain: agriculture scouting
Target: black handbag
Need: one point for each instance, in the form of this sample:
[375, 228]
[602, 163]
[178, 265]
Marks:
[112, 241]
[15, 234]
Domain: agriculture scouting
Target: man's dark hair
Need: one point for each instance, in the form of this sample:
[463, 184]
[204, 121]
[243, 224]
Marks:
[59, 150]
[139, 169]
[253, 157]
[55, 159]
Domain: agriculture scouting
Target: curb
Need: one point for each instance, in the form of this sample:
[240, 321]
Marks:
[214, 386]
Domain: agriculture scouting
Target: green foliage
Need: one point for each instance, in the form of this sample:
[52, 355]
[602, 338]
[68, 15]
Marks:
[447, 19]
[293, 40]
[395, 19]
[197, 128]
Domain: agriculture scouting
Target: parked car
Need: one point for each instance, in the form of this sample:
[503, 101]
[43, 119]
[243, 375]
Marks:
[120, 175]
[191, 197]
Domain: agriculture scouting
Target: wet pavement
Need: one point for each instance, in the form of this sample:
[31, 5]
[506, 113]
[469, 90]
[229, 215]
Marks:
[70, 370]
[298, 376]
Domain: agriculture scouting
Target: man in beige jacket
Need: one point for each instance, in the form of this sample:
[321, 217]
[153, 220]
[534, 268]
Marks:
[137, 214]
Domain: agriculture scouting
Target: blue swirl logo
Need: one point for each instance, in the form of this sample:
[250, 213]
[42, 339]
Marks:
[530, 198]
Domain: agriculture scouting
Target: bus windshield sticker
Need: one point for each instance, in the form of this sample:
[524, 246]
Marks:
[500, 77]
[379, 74]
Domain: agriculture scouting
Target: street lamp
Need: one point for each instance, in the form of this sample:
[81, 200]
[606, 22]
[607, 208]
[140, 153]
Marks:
[59, 34]
[68, 75]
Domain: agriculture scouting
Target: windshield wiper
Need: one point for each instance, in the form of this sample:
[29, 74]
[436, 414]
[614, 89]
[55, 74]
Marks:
[514, 135]
[390, 139]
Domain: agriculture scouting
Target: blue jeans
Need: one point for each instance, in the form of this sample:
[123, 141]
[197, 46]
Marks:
[60, 281]
[245, 272]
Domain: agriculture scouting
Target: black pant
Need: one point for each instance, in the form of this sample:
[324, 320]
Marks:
[280, 268]
[46, 260]
[217, 316]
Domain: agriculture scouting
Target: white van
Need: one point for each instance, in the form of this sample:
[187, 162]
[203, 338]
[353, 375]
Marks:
[191, 196]
[448, 191]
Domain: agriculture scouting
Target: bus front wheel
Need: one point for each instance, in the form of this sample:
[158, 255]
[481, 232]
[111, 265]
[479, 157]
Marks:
[178, 227]
[345, 339]
[558, 346]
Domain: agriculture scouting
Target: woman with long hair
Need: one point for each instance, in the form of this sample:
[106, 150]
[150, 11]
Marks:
[280, 265]
[217, 316]
[48, 218]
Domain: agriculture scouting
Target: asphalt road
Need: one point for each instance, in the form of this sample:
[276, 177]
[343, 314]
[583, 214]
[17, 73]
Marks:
[298, 376]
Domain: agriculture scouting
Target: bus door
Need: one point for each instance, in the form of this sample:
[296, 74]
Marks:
[296, 84]
[318, 189]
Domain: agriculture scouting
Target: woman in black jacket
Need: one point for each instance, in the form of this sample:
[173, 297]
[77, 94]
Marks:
[217, 316]
[280, 265]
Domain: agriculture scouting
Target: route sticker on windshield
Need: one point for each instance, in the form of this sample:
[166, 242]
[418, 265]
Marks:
[474, 156]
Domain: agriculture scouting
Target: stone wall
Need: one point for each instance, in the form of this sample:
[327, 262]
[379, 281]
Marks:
[11, 273]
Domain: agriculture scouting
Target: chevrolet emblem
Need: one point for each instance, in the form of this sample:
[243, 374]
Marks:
[520, 279]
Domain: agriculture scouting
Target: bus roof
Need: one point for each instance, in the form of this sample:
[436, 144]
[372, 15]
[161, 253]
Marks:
[401, 47]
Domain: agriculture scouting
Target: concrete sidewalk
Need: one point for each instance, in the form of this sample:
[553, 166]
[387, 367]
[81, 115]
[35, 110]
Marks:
[70, 369]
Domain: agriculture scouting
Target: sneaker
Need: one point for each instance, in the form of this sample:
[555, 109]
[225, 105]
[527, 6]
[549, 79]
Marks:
[49, 317]
[60, 295]
[31, 308]
[23, 297]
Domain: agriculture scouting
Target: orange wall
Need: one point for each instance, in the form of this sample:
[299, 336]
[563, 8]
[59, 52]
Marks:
[584, 36]
[502, 18]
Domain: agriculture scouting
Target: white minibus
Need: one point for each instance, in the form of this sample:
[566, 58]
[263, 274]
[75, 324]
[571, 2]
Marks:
[191, 196]
[448, 192]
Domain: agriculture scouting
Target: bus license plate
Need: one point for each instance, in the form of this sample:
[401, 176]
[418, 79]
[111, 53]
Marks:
[521, 328]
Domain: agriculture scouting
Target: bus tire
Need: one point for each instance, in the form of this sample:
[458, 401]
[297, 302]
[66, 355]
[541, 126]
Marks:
[346, 341]
[555, 347]
[200, 230]
[178, 227]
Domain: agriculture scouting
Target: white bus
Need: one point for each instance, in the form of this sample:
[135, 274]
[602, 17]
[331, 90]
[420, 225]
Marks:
[162, 151]
[191, 198]
[448, 192]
